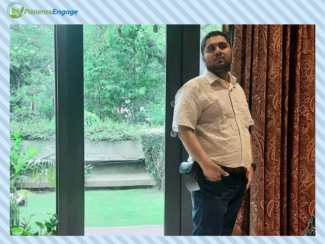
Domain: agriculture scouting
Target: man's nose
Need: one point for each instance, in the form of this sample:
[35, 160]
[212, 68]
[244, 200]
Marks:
[218, 51]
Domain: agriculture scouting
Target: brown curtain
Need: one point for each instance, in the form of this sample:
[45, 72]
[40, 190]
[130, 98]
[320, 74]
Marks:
[275, 65]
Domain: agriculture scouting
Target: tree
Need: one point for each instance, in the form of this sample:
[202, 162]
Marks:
[124, 67]
[124, 70]
[31, 72]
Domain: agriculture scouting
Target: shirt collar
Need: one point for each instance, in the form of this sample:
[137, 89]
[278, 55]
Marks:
[211, 77]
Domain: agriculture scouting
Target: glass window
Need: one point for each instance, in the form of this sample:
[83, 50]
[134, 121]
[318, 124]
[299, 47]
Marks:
[32, 126]
[124, 67]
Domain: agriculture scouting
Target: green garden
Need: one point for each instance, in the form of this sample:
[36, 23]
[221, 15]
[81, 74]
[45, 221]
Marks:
[124, 85]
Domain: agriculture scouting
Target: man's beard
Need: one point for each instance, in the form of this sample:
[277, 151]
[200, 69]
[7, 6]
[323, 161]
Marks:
[219, 69]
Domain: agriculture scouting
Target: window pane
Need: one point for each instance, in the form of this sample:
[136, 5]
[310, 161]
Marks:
[32, 124]
[124, 129]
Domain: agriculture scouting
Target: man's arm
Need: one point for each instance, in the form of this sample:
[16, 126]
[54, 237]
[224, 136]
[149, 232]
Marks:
[211, 170]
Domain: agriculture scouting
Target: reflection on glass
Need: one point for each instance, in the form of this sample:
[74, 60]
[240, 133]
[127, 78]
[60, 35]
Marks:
[124, 67]
[32, 128]
[205, 29]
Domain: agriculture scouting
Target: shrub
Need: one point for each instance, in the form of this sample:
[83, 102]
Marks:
[153, 145]
[33, 131]
[109, 131]
[94, 131]
[48, 228]
[19, 159]
[90, 118]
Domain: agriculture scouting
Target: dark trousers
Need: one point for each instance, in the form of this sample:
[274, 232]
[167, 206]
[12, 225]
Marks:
[216, 205]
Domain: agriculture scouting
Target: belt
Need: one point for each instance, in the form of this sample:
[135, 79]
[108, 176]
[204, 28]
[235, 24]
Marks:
[238, 170]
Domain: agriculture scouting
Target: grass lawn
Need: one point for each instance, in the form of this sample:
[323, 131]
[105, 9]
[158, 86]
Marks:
[106, 208]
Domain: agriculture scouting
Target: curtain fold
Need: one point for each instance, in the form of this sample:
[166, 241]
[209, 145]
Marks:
[275, 65]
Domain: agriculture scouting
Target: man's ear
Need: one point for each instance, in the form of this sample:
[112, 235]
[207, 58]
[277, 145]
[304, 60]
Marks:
[203, 58]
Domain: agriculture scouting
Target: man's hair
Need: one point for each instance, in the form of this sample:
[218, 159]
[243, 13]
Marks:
[211, 34]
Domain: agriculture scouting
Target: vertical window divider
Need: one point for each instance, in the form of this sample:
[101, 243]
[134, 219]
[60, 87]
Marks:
[69, 108]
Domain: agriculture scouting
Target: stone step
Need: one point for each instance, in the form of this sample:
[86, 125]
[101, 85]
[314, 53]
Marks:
[119, 174]
[103, 151]
[115, 164]
[117, 180]
[116, 174]
[120, 180]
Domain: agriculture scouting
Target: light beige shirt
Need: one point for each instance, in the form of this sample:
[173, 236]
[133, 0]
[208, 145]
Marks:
[219, 116]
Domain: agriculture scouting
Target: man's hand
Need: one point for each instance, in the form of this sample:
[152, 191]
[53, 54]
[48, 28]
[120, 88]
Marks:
[214, 172]
[210, 170]
[249, 176]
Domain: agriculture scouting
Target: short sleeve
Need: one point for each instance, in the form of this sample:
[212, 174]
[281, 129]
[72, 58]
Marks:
[187, 108]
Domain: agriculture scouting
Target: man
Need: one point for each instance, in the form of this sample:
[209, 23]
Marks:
[212, 119]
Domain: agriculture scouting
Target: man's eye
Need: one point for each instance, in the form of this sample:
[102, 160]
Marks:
[222, 46]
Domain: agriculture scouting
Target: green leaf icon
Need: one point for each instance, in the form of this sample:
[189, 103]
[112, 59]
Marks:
[15, 11]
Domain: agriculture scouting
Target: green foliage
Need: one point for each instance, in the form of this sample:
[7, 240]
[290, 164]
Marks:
[153, 145]
[33, 131]
[90, 119]
[88, 171]
[97, 131]
[18, 168]
[48, 228]
[31, 72]
[205, 29]
[156, 112]
[124, 71]
[17, 199]
[110, 131]
[19, 158]
[124, 67]
[14, 212]
[22, 165]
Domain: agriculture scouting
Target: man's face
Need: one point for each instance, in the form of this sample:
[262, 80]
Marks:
[217, 54]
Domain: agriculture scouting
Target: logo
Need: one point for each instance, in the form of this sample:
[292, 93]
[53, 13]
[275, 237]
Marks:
[15, 10]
